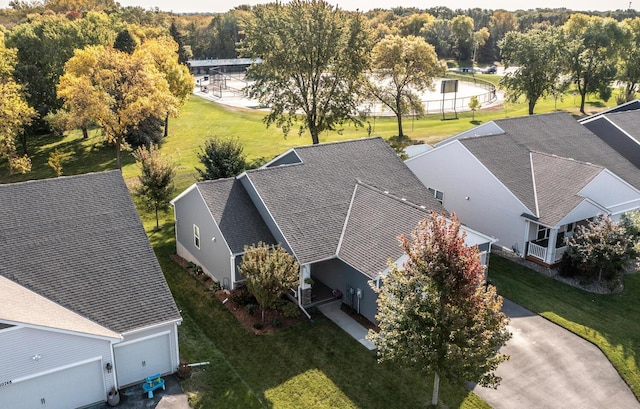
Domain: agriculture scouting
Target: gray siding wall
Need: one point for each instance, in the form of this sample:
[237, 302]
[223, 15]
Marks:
[132, 336]
[287, 159]
[264, 213]
[336, 274]
[213, 256]
[57, 349]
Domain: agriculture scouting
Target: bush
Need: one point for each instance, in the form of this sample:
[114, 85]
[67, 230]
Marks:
[276, 323]
[258, 325]
[289, 309]
[242, 296]
[251, 308]
[568, 267]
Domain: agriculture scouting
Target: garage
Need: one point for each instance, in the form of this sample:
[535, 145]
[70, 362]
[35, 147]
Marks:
[137, 359]
[71, 387]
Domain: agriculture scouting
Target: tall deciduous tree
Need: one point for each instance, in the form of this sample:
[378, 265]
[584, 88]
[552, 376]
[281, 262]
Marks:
[629, 61]
[15, 113]
[115, 89]
[269, 271]
[592, 44]
[164, 52]
[402, 67]
[436, 314]
[540, 60]
[313, 56]
[462, 36]
[156, 179]
[222, 158]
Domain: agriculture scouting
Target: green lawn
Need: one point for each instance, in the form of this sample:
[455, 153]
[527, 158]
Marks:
[312, 365]
[608, 321]
[316, 364]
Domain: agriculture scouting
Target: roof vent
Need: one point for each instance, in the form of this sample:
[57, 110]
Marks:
[403, 199]
[422, 207]
[386, 192]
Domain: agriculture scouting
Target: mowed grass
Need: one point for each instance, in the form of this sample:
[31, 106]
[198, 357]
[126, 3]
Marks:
[608, 321]
[314, 365]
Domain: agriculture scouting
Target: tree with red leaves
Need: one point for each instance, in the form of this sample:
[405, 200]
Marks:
[436, 313]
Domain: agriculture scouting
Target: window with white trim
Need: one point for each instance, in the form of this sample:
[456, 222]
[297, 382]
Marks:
[437, 194]
[543, 232]
[196, 236]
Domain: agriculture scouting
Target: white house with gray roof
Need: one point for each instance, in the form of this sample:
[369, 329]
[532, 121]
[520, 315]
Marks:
[85, 306]
[337, 207]
[529, 181]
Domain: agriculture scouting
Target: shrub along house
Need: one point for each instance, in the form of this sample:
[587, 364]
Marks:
[85, 306]
[529, 181]
[338, 208]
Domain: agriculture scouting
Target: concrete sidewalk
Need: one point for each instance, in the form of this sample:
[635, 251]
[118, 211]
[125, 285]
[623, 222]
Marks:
[551, 367]
[343, 320]
[133, 397]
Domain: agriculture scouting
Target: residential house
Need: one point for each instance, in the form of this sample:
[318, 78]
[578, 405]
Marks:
[337, 207]
[619, 127]
[85, 306]
[529, 181]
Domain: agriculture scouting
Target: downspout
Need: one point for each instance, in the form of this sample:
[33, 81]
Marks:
[300, 304]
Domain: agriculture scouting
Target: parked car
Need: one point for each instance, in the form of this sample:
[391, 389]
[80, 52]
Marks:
[490, 70]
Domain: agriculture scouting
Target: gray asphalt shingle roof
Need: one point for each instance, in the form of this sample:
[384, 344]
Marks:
[78, 241]
[619, 130]
[309, 201]
[507, 156]
[558, 182]
[235, 213]
[375, 222]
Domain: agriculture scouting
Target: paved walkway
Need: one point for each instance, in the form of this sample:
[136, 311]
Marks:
[343, 320]
[552, 368]
[133, 397]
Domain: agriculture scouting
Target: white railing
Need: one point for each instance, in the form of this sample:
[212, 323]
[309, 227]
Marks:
[559, 252]
[537, 251]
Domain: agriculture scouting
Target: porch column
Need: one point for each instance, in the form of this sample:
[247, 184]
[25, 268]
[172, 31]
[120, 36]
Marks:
[551, 247]
[305, 288]
[527, 227]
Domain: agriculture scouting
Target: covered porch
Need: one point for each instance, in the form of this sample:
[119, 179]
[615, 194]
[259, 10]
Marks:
[546, 245]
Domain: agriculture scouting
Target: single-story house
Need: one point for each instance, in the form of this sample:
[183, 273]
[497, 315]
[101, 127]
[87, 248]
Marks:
[619, 127]
[529, 181]
[337, 207]
[85, 306]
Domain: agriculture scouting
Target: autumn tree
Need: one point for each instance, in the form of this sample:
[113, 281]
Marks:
[602, 247]
[156, 178]
[115, 89]
[269, 272]
[539, 56]
[436, 314]
[462, 35]
[125, 42]
[222, 158]
[313, 56]
[402, 67]
[165, 53]
[592, 43]
[15, 112]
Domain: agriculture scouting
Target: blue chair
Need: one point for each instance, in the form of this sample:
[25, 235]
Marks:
[152, 383]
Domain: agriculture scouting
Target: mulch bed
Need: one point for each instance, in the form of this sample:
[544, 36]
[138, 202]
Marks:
[240, 311]
[359, 318]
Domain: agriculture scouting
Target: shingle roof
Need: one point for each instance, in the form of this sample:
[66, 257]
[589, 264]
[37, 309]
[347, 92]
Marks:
[372, 228]
[310, 200]
[78, 241]
[235, 213]
[621, 131]
[558, 182]
[507, 155]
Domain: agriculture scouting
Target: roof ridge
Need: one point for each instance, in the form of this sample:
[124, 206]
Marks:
[65, 177]
[386, 193]
[553, 155]
[368, 138]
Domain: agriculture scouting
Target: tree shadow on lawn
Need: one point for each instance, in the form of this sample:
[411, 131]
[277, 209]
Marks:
[315, 363]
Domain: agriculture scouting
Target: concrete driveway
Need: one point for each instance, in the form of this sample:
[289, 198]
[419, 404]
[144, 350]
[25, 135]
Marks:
[552, 368]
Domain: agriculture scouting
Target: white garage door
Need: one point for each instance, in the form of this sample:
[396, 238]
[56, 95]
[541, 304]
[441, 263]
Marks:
[73, 387]
[135, 360]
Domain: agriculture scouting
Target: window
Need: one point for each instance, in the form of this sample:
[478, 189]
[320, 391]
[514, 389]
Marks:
[196, 236]
[437, 194]
[543, 232]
